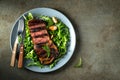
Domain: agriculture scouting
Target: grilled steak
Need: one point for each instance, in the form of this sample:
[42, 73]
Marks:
[40, 38]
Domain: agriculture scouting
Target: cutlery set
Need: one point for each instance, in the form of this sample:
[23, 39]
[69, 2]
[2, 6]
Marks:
[15, 46]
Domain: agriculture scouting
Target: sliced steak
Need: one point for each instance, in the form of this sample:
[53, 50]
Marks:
[40, 38]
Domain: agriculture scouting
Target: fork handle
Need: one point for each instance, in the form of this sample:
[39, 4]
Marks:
[12, 63]
[20, 60]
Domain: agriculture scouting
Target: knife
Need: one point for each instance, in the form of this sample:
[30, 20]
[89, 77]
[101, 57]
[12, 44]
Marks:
[19, 32]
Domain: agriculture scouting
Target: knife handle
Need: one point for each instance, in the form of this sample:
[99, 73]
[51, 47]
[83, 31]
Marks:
[20, 60]
[14, 53]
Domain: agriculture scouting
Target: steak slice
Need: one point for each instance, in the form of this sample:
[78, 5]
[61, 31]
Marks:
[40, 38]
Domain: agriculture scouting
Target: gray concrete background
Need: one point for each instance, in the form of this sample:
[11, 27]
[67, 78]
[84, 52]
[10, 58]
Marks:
[97, 26]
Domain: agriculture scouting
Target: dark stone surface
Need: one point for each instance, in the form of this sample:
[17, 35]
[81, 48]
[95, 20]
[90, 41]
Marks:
[97, 26]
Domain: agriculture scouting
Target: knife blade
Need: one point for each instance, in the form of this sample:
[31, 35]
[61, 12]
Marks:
[19, 31]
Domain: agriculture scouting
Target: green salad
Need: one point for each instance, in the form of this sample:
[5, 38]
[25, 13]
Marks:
[60, 37]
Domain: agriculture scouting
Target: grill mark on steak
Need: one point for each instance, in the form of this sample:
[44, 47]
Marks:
[37, 29]
[41, 35]
[40, 38]
[40, 45]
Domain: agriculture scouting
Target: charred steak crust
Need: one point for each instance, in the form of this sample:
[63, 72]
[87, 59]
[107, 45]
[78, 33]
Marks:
[40, 37]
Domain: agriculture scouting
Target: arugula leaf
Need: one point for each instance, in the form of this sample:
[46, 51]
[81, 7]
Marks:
[79, 64]
[30, 16]
[54, 63]
[48, 20]
[47, 49]
[37, 63]
[19, 39]
[30, 55]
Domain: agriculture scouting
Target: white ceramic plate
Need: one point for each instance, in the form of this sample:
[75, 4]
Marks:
[49, 12]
